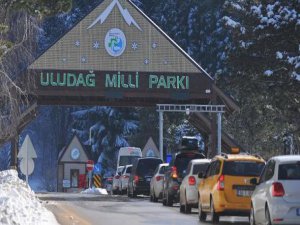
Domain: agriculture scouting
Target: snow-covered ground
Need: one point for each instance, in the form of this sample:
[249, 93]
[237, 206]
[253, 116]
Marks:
[18, 203]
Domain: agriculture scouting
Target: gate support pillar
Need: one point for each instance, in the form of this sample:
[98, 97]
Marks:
[161, 135]
[219, 133]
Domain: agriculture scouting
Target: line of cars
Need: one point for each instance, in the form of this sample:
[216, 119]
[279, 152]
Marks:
[232, 185]
[229, 184]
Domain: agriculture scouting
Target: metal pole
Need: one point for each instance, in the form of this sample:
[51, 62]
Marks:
[161, 125]
[219, 132]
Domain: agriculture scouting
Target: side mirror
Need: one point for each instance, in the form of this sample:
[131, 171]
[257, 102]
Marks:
[201, 175]
[254, 181]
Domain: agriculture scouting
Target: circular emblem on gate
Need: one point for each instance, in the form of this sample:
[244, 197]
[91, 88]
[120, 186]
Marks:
[115, 42]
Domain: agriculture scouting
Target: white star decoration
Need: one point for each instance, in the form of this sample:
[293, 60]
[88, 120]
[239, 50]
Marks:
[77, 43]
[83, 59]
[146, 61]
[154, 45]
[64, 60]
[165, 61]
[134, 46]
[96, 45]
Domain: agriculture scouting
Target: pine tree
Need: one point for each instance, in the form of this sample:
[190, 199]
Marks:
[263, 71]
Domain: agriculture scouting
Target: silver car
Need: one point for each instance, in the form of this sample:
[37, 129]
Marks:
[156, 183]
[276, 198]
[188, 197]
[124, 178]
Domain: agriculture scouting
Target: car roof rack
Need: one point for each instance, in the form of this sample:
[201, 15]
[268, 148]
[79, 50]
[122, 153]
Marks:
[224, 155]
[258, 156]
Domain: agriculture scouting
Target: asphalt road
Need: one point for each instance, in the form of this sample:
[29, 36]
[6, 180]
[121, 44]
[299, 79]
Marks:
[88, 209]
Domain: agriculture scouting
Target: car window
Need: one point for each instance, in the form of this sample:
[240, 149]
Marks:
[290, 171]
[242, 168]
[146, 167]
[162, 169]
[212, 169]
[217, 168]
[200, 168]
[188, 168]
[128, 169]
[209, 169]
[268, 171]
[182, 160]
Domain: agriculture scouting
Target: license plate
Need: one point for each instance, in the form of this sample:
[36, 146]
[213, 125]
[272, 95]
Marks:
[244, 193]
[298, 212]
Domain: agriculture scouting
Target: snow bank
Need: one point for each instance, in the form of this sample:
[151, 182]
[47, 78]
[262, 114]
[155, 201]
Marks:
[18, 203]
[98, 191]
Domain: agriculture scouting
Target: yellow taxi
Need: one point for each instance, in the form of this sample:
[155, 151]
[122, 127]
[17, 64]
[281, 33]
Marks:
[225, 188]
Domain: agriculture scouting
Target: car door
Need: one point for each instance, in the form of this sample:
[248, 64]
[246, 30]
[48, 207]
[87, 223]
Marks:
[207, 184]
[261, 190]
[184, 183]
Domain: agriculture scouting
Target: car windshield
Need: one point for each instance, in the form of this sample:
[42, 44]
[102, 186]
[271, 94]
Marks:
[289, 171]
[162, 169]
[242, 168]
[182, 160]
[146, 167]
[200, 168]
[128, 169]
[126, 160]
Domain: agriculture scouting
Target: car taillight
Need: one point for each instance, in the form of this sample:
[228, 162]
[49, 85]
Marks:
[136, 179]
[277, 189]
[192, 180]
[174, 172]
[158, 178]
[221, 183]
[125, 176]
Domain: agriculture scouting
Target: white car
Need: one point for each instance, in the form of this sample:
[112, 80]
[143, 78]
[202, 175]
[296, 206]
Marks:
[116, 181]
[276, 198]
[156, 183]
[124, 178]
[188, 197]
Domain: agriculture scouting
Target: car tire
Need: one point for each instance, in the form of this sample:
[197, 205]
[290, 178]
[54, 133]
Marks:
[151, 197]
[252, 217]
[214, 216]
[202, 215]
[187, 207]
[128, 193]
[154, 197]
[134, 194]
[268, 217]
[181, 208]
[169, 200]
[164, 202]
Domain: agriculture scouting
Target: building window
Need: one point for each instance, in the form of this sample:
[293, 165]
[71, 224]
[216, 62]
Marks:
[74, 178]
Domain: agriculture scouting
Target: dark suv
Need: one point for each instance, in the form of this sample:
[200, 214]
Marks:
[175, 173]
[141, 174]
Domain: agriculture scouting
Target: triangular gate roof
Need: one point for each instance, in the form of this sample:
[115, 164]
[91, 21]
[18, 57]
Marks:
[147, 49]
[117, 56]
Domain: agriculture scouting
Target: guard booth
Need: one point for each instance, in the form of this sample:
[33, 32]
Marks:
[72, 173]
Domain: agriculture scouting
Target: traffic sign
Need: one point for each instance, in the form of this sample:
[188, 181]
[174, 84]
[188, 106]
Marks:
[26, 154]
[27, 166]
[27, 150]
[90, 165]
[97, 168]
